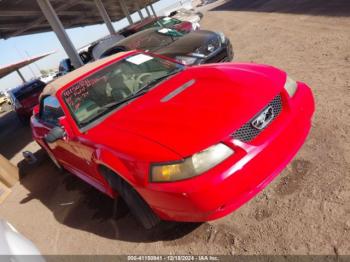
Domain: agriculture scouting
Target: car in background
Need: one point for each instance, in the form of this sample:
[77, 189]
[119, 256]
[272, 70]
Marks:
[3, 98]
[207, 2]
[175, 142]
[65, 66]
[162, 21]
[25, 97]
[4, 101]
[85, 53]
[46, 78]
[197, 47]
[189, 15]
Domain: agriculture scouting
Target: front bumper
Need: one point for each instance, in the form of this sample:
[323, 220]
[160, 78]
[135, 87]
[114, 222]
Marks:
[239, 178]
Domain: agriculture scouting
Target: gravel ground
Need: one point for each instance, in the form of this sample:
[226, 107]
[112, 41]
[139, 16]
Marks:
[305, 210]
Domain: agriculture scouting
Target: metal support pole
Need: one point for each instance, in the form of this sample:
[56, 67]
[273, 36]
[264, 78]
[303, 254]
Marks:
[61, 34]
[137, 6]
[20, 75]
[125, 11]
[105, 16]
[147, 10]
[153, 11]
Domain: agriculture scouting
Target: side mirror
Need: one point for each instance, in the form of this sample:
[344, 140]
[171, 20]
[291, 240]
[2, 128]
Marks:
[55, 134]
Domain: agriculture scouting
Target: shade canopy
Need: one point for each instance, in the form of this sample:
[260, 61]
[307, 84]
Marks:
[20, 17]
[5, 70]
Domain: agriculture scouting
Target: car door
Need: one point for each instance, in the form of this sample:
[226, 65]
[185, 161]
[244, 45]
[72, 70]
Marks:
[47, 119]
[68, 152]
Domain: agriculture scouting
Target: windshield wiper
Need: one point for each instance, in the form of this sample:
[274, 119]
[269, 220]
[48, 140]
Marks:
[155, 81]
[120, 102]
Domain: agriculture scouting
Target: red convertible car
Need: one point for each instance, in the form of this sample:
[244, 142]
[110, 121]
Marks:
[175, 142]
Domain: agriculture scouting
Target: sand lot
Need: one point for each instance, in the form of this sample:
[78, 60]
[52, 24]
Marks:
[306, 210]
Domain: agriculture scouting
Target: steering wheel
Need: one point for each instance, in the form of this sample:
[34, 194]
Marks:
[142, 79]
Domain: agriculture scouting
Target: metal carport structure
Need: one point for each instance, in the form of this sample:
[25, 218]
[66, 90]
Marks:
[20, 17]
[5, 70]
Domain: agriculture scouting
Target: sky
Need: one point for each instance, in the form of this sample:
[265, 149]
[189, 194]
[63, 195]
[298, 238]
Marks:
[21, 47]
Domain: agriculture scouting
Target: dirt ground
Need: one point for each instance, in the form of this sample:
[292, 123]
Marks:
[306, 210]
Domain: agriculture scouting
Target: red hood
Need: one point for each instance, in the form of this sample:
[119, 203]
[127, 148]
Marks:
[222, 98]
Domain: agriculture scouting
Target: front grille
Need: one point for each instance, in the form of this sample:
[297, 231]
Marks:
[247, 132]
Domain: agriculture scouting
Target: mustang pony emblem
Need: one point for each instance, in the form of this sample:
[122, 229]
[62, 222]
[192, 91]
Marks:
[264, 118]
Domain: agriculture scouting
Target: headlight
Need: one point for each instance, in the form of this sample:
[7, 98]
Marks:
[186, 60]
[191, 166]
[290, 86]
[222, 37]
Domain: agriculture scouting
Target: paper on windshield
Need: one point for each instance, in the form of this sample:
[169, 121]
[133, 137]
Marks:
[139, 59]
[164, 30]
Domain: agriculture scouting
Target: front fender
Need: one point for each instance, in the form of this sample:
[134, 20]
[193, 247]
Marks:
[111, 160]
[127, 154]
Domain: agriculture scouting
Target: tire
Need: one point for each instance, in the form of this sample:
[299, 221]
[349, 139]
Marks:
[138, 207]
[230, 52]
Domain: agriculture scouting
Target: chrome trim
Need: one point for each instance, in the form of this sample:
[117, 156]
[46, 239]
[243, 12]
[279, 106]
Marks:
[178, 91]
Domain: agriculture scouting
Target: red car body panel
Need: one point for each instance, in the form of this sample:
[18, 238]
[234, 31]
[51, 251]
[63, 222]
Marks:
[148, 116]
[220, 100]
[241, 177]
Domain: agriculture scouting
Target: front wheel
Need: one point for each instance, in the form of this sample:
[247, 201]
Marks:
[138, 207]
[230, 53]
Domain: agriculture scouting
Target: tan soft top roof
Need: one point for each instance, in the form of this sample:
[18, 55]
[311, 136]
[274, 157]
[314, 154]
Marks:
[54, 86]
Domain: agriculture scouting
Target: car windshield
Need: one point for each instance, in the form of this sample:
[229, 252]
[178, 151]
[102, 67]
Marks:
[95, 96]
[152, 39]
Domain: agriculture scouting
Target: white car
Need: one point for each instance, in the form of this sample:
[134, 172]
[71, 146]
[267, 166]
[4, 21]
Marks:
[189, 15]
[48, 78]
[15, 246]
